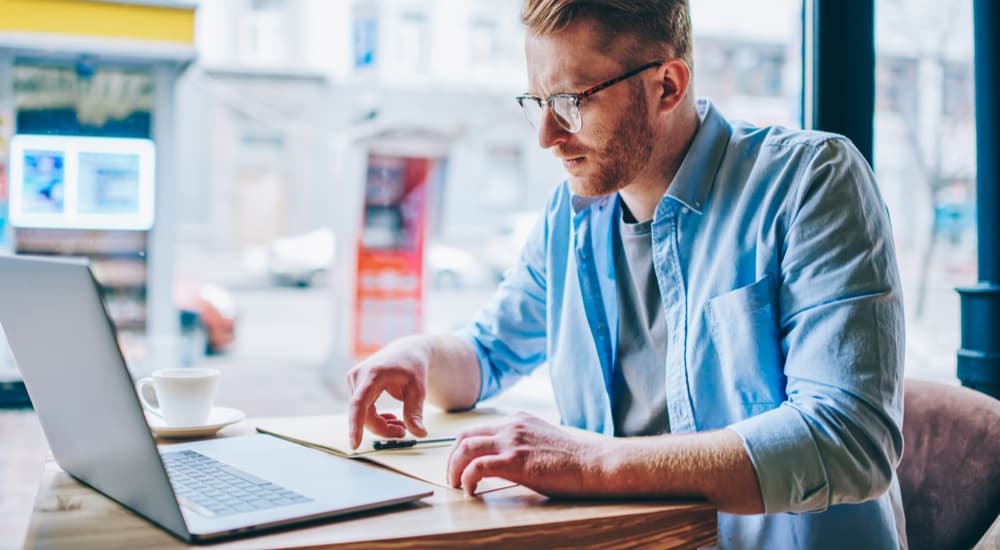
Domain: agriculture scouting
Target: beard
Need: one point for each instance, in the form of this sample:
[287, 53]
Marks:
[628, 145]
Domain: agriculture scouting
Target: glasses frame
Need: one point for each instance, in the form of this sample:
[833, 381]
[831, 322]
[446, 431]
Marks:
[576, 98]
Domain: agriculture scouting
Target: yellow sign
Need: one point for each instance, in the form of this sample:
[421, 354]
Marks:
[170, 22]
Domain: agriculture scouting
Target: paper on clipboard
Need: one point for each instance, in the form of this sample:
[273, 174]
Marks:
[426, 462]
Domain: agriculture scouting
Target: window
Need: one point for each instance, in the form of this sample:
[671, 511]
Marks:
[897, 90]
[925, 160]
[264, 36]
[83, 99]
[413, 44]
[483, 43]
[748, 58]
[365, 34]
[957, 99]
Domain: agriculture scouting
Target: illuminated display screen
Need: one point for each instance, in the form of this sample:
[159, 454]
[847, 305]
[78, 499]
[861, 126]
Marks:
[81, 183]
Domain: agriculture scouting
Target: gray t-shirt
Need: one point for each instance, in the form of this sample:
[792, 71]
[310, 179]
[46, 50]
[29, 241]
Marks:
[639, 392]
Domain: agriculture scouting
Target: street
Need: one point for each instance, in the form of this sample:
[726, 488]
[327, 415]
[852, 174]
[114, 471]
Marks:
[280, 365]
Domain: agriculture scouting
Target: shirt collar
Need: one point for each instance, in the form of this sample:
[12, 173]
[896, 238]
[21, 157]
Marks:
[578, 203]
[695, 177]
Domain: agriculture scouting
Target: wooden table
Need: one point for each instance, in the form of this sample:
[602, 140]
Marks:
[68, 514]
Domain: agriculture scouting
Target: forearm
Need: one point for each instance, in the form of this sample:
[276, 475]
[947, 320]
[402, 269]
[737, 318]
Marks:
[453, 372]
[710, 465]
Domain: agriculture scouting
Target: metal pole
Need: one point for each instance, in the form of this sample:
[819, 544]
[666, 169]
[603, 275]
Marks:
[162, 326]
[979, 356]
[840, 73]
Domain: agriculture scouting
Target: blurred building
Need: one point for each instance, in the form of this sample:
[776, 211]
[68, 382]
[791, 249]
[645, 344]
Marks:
[273, 97]
[748, 58]
[72, 72]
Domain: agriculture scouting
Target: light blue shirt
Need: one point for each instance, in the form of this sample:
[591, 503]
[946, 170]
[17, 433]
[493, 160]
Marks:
[774, 258]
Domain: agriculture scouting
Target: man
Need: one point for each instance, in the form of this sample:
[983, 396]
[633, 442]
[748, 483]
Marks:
[729, 292]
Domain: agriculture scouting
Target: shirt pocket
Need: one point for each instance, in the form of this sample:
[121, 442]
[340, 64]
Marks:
[744, 332]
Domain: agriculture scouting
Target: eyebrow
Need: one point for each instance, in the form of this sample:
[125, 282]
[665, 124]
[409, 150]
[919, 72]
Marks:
[590, 82]
[575, 90]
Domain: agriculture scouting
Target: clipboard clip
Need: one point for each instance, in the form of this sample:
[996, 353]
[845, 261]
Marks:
[387, 444]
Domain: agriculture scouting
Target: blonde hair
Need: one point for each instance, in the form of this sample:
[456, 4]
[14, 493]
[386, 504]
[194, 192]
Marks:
[664, 24]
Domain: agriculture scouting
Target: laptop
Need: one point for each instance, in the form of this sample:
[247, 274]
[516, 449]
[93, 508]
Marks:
[68, 354]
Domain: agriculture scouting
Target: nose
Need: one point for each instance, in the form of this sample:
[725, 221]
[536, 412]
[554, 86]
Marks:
[550, 132]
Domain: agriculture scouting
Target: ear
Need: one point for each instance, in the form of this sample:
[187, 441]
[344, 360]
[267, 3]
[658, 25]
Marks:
[675, 77]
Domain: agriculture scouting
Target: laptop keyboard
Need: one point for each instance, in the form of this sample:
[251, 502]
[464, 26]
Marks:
[213, 488]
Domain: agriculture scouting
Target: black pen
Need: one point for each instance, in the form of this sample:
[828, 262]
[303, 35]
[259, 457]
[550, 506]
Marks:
[384, 444]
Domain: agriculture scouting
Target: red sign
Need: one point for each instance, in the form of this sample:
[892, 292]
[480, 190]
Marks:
[389, 290]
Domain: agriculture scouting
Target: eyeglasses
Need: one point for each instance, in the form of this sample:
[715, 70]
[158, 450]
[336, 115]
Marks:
[566, 107]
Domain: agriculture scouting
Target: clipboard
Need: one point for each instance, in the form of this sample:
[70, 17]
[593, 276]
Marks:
[426, 462]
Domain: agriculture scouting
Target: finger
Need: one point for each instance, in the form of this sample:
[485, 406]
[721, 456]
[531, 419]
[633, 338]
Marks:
[352, 376]
[360, 407]
[392, 419]
[380, 426]
[413, 409]
[478, 431]
[364, 396]
[395, 425]
[466, 451]
[356, 413]
[486, 466]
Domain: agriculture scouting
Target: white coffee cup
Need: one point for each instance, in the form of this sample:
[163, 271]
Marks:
[184, 396]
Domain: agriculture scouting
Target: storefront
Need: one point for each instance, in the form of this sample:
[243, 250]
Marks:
[87, 148]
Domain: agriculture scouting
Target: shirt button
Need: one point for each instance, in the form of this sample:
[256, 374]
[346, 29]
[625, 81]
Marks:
[684, 210]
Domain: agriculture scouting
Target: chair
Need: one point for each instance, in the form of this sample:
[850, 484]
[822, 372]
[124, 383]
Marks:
[950, 471]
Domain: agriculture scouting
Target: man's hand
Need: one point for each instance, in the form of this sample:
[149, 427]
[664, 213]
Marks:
[400, 369]
[531, 452]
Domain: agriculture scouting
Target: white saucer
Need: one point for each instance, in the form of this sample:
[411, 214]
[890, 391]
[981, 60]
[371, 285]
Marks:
[218, 418]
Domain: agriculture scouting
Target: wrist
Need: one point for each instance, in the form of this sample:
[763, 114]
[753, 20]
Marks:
[637, 467]
[417, 346]
[609, 460]
[452, 372]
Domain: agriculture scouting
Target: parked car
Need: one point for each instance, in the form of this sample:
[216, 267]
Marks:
[207, 316]
[503, 251]
[451, 268]
[301, 260]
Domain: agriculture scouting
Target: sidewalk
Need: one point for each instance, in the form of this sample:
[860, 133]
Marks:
[231, 270]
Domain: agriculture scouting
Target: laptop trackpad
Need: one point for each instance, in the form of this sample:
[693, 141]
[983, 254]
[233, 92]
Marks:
[320, 476]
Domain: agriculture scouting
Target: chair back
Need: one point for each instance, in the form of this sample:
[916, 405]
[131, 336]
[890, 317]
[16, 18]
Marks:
[950, 471]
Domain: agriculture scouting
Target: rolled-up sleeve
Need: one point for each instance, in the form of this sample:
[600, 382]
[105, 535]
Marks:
[837, 438]
[509, 333]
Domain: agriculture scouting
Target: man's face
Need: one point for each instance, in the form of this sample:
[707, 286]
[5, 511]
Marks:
[616, 140]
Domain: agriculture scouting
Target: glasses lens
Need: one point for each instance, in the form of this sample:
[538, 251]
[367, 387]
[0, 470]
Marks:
[532, 107]
[566, 112]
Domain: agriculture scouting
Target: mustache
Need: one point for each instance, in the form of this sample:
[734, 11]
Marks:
[566, 153]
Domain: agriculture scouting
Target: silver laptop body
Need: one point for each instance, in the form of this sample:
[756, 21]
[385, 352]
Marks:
[66, 349]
